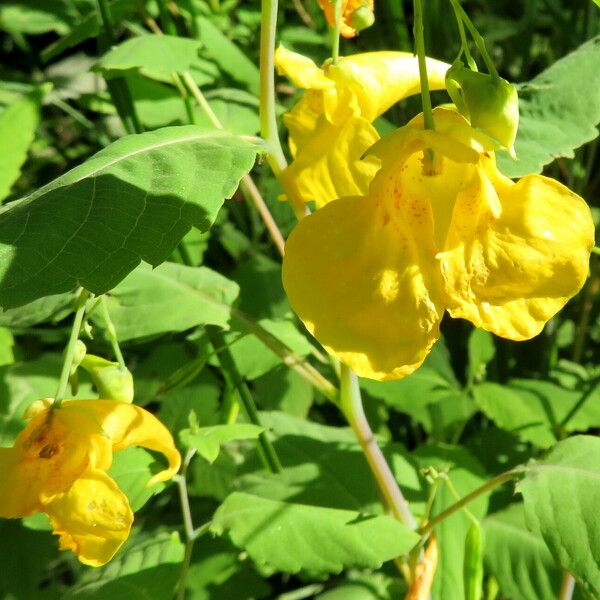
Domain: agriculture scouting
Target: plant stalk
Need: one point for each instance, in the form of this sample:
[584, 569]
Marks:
[112, 333]
[351, 406]
[80, 305]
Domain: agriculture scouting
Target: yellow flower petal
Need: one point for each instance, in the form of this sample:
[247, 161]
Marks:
[124, 425]
[356, 275]
[93, 518]
[300, 69]
[512, 273]
[328, 164]
[44, 462]
[377, 80]
[347, 11]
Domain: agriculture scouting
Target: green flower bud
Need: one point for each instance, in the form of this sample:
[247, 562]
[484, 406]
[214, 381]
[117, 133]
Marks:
[362, 18]
[488, 101]
[112, 382]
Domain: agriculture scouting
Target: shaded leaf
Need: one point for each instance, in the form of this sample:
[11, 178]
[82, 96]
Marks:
[98, 221]
[298, 537]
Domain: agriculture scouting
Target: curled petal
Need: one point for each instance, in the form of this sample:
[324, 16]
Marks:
[93, 518]
[301, 70]
[377, 80]
[354, 274]
[329, 166]
[510, 273]
[124, 425]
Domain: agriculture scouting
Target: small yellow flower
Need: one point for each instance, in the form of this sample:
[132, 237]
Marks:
[58, 466]
[349, 10]
[330, 128]
[371, 276]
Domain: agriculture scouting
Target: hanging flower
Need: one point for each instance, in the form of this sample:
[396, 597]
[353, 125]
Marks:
[356, 15]
[372, 276]
[58, 466]
[330, 128]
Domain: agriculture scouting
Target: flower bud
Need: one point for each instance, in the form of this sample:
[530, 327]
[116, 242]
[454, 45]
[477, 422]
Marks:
[488, 101]
[112, 382]
[362, 18]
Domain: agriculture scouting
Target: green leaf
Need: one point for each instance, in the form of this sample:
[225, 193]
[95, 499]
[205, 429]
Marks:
[208, 440]
[87, 27]
[132, 469]
[154, 53]
[561, 493]
[48, 308]
[297, 537]
[324, 466]
[481, 351]
[559, 110]
[518, 558]
[146, 569]
[227, 55]
[34, 17]
[142, 304]
[283, 389]
[18, 123]
[132, 201]
[535, 410]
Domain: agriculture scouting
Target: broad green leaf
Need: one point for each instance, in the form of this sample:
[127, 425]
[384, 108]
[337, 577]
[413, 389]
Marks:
[142, 304]
[324, 466]
[132, 469]
[87, 27]
[208, 440]
[559, 110]
[34, 17]
[297, 537]
[7, 343]
[48, 308]
[466, 474]
[227, 55]
[518, 558]
[213, 480]
[143, 569]
[561, 493]
[535, 410]
[17, 129]
[481, 351]
[365, 586]
[132, 201]
[161, 53]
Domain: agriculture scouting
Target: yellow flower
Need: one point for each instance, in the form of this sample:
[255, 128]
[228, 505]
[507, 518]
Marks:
[372, 276]
[349, 10]
[330, 128]
[58, 466]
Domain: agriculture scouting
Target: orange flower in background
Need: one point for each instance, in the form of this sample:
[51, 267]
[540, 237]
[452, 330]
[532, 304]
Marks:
[352, 11]
[58, 466]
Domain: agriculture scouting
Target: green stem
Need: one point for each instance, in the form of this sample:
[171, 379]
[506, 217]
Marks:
[464, 45]
[268, 116]
[335, 31]
[484, 489]
[479, 41]
[245, 397]
[351, 406]
[112, 333]
[80, 305]
[290, 359]
[165, 18]
[418, 34]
